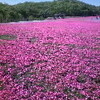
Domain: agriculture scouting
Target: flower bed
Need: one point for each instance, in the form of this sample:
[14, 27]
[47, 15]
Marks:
[53, 60]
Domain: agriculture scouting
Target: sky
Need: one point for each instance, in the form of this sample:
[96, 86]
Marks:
[12, 2]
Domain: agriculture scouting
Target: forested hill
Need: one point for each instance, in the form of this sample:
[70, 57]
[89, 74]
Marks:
[42, 10]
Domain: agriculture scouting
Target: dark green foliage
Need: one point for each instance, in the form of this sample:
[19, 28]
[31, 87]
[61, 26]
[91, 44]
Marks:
[15, 75]
[33, 39]
[67, 90]
[2, 64]
[1, 88]
[79, 95]
[1, 82]
[73, 92]
[1, 85]
[81, 79]
[27, 84]
[97, 80]
[7, 37]
[41, 10]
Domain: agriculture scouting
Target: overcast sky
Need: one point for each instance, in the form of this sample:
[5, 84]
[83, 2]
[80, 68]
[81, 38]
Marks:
[11, 2]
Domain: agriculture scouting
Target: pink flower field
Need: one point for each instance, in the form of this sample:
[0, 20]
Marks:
[50, 60]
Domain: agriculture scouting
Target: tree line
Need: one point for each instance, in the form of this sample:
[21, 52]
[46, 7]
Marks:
[41, 10]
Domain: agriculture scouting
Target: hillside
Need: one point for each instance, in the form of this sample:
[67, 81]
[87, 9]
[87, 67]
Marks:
[41, 10]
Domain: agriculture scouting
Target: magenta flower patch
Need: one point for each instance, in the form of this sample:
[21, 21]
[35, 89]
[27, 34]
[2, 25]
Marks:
[57, 60]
